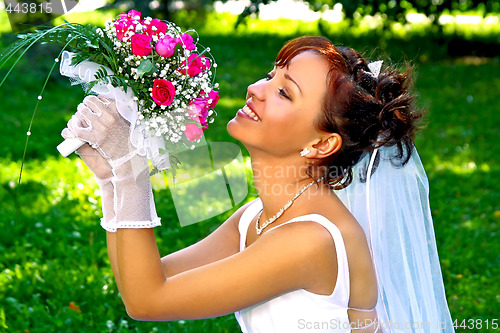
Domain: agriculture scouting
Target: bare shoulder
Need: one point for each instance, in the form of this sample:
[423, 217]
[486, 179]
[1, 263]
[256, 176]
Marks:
[234, 219]
[309, 248]
[304, 234]
[352, 232]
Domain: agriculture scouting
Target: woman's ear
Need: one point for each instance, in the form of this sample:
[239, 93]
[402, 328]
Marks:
[327, 146]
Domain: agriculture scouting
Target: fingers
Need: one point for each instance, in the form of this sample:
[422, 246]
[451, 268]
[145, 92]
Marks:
[95, 121]
[93, 104]
[105, 100]
[82, 127]
[77, 125]
[87, 150]
[101, 107]
[67, 134]
[79, 132]
[86, 116]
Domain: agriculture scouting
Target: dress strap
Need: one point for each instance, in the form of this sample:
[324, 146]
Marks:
[361, 310]
[246, 218]
[364, 322]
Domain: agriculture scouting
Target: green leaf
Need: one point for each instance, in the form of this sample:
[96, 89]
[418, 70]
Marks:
[90, 86]
[110, 61]
[146, 67]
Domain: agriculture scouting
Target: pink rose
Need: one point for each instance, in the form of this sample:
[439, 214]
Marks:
[187, 41]
[193, 133]
[214, 96]
[198, 111]
[141, 44]
[205, 63]
[155, 27]
[124, 25]
[166, 46]
[134, 14]
[163, 92]
[195, 65]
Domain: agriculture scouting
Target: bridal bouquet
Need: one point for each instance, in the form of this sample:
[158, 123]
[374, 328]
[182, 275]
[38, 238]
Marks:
[161, 78]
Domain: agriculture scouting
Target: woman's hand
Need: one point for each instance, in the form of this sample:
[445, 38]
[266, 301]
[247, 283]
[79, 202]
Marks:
[98, 123]
[98, 164]
[79, 124]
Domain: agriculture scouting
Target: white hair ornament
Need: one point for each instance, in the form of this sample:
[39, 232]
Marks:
[375, 67]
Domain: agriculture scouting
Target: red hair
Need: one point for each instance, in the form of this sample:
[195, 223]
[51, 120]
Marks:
[366, 111]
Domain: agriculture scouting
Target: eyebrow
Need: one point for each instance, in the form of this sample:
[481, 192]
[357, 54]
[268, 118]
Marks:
[288, 77]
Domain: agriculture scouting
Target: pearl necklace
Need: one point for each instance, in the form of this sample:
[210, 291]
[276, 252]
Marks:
[282, 210]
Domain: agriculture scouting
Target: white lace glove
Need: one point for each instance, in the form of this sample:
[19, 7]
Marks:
[103, 174]
[98, 122]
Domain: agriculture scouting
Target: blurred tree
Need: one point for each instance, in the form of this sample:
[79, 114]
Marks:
[396, 10]
[161, 8]
[391, 11]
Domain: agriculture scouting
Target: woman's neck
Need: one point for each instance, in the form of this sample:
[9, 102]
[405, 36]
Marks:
[277, 180]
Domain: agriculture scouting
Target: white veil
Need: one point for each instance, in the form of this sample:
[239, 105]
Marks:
[392, 205]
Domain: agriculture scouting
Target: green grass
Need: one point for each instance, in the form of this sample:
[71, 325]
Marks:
[54, 271]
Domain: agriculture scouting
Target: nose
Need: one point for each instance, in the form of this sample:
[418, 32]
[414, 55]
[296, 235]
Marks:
[257, 90]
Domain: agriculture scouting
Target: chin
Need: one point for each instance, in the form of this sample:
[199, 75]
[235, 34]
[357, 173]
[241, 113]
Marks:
[235, 129]
[238, 131]
[232, 127]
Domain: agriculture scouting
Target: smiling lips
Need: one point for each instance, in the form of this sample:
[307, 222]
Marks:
[246, 110]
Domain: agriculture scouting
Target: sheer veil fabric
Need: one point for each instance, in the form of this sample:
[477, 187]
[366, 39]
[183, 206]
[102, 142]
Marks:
[391, 202]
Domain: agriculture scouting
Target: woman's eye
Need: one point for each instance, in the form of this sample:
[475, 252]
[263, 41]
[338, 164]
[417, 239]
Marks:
[284, 94]
[282, 91]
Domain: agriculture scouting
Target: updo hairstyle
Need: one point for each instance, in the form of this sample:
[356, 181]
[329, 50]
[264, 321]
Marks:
[367, 111]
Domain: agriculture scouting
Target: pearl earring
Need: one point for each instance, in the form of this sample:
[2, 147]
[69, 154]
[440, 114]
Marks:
[304, 152]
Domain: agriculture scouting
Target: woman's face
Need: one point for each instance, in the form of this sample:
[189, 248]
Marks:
[279, 114]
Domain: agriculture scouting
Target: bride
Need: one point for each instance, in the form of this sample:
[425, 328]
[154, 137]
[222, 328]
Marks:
[301, 257]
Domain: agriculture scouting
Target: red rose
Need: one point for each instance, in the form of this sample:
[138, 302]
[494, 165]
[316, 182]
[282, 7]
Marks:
[141, 45]
[163, 92]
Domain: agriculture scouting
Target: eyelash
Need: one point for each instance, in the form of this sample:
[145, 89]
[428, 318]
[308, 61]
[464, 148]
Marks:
[284, 94]
[281, 90]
